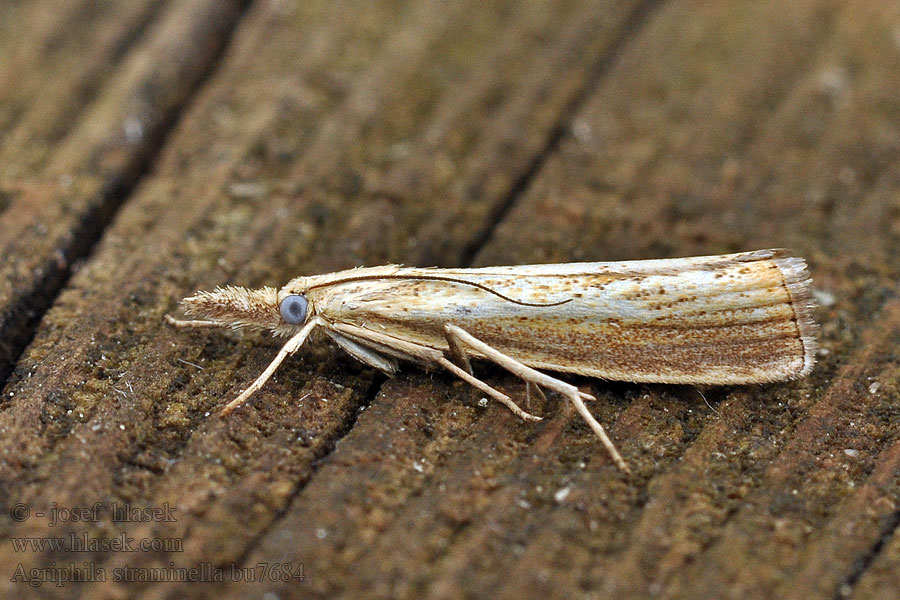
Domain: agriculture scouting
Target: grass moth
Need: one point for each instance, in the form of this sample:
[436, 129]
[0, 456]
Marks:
[728, 319]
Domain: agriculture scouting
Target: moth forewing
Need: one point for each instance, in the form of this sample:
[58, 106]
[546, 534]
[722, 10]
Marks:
[732, 319]
[729, 319]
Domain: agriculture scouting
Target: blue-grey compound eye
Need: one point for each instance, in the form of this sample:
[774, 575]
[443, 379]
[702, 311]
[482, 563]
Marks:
[293, 309]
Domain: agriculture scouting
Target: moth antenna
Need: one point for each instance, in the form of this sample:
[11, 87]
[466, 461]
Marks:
[474, 284]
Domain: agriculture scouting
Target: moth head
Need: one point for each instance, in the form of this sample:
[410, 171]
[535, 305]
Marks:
[255, 309]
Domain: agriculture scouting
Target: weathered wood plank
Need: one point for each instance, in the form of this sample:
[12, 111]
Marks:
[85, 99]
[59, 58]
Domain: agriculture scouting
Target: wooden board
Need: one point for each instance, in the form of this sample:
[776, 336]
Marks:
[148, 149]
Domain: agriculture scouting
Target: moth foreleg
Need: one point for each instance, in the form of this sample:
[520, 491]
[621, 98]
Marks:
[530, 375]
[289, 348]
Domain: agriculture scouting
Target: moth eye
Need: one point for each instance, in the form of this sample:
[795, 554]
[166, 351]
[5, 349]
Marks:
[293, 309]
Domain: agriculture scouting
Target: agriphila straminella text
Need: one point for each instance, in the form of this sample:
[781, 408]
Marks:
[729, 319]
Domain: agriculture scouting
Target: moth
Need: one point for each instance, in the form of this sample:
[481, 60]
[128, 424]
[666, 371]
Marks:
[729, 319]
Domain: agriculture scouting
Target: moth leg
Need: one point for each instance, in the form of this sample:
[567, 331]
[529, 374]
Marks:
[536, 377]
[458, 354]
[426, 356]
[538, 392]
[461, 358]
[289, 348]
[185, 324]
[365, 355]
[492, 392]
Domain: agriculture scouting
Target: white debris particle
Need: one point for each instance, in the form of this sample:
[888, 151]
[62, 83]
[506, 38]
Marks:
[134, 129]
[581, 129]
[833, 81]
[562, 494]
[825, 299]
[247, 189]
[852, 452]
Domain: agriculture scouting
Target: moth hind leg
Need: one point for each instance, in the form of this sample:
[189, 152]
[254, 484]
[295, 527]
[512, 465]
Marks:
[462, 338]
